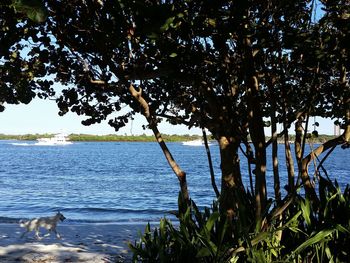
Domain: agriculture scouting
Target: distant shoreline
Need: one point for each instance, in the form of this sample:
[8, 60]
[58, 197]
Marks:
[136, 138]
[102, 138]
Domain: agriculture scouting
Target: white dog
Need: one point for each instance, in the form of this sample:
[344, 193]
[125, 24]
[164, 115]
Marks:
[50, 223]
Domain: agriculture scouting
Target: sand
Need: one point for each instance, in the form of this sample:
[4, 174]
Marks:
[90, 243]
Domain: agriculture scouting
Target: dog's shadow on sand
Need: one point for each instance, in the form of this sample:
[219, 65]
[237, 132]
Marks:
[78, 243]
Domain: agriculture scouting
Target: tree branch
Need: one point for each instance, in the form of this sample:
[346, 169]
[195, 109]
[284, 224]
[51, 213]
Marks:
[212, 175]
[309, 188]
[181, 175]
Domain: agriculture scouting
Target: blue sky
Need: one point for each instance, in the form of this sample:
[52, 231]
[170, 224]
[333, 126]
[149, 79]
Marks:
[41, 116]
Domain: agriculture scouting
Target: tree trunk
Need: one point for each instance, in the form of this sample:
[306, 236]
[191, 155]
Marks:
[181, 175]
[276, 176]
[257, 134]
[298, 143]
[231, 180]
[289, 160]
[256, 124]
[211, 169]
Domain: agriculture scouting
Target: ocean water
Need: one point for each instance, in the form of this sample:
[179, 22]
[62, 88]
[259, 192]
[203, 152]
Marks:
[113, 181]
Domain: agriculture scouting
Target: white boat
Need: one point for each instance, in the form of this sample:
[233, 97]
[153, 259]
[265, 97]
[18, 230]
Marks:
[58, 139]
[197, 142]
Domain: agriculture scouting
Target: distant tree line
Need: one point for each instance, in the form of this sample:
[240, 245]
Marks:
[138, 138]
[107, 138]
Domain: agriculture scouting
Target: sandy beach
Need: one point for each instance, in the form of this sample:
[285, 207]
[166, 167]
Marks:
[91, 243]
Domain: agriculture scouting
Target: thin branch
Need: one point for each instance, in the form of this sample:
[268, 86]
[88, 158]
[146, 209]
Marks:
[323, 160]
[275, 135]
[303, 147]
[310, 190]
[249, 155]
[181, 175]
[212, 174]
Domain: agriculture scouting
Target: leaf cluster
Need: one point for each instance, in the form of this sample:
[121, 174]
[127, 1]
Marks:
[188, 57]
[292, 232]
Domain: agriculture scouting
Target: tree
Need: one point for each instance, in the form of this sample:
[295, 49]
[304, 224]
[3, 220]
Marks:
[20, 78]
[226, 66]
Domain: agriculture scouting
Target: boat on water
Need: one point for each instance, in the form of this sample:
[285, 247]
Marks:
[197, 142]
[58, 139]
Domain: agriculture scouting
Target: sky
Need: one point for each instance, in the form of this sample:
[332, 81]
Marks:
[41, 116]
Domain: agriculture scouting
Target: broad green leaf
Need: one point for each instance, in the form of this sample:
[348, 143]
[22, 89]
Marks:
[223, 230]
[319, 237]
[162, 227]
[211, 220]
[342, 229]
[305, 207]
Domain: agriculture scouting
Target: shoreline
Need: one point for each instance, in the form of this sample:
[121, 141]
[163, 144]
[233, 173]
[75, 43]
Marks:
[76, 138]
[103, 138]
[80, 242]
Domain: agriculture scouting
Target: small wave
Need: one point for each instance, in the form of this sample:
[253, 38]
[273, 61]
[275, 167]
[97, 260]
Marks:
[136, 220]
[112, 210]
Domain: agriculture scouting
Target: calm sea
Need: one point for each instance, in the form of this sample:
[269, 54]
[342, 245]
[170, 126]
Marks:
[111, 181]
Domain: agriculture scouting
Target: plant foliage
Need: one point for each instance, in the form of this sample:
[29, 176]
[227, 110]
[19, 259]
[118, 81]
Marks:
[299, 234]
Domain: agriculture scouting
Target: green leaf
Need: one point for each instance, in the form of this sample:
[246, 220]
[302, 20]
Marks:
[211, 22]
[319, 237]
[223, 230]
[162, 227]
[342, 229]
[293, 219]
[172, 55]
[260, 237]
[167, 24]
[305, 207]
[37, 15]
[33, 9]
[212, 248]
[180, 15]
[211, 220]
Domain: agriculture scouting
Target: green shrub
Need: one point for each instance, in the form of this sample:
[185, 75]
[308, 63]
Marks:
[199, 237]
[295, 231]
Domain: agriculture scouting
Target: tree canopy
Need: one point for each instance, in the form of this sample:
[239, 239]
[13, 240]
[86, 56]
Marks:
[231, 67]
